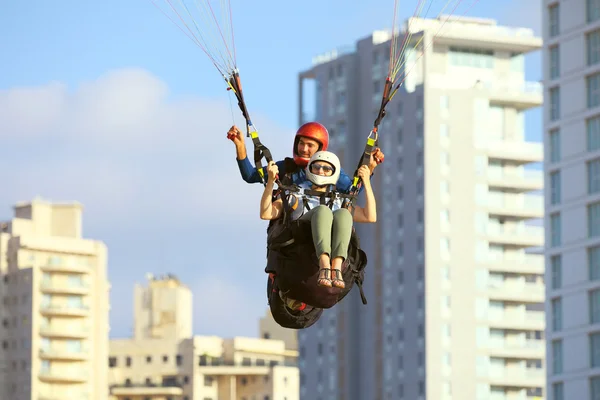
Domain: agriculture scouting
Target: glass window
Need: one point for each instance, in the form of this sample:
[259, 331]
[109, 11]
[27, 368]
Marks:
[554, 145]
[555, 187]
[593, 175]
[556, 264]
[555, 103]
[593, 133]
[553, 19]
[594, 220]
[593, 90]
[554, 62]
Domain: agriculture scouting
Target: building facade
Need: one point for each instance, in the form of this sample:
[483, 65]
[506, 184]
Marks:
[455, 297]
[571, 32]
[55, 308]
[161, 363]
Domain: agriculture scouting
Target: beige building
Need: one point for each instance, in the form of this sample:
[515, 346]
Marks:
[55, 306]
[269, 329]
[165, 362]
[455, 299]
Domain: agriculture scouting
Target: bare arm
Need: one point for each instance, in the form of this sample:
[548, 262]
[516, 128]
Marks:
[368, 214]
[270, 209]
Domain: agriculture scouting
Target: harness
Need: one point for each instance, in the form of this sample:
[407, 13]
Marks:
[286, 189]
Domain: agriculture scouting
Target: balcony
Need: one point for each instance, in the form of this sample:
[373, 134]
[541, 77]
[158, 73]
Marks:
[516, 291]
[516, 319]
[526, 263]
[225, 367]
[522, 97]
[512, 205]
[63, 355]
[520, 180]
[54, 287]
[70, 268]
[65, 310]
[516, 348]
[519, 152]
[67, 332]
[522, 236]
[64, 375]
[517, 377]
[149, 390]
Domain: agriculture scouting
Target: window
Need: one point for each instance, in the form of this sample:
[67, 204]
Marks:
[555, 187]
[593, 90]
[474, 58]
[593, 133]
[555, 103]
[558, 391]
[554, 62]
[594, 263]
[556, 314]
[594, 304]
[553, 23]
[557, 351]
[555, 230]
[593, 176]
[595, 388]
[556, 264]
[444, 103]
[555, 145]
[593, 47]
[112, 362]
[593, 218]
[595, 350]
[593, 11]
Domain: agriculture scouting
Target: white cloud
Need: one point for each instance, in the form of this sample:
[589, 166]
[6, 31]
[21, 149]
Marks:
[148, 167]
[122, 145]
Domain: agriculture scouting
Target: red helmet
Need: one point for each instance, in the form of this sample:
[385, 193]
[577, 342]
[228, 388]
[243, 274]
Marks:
[311, 130]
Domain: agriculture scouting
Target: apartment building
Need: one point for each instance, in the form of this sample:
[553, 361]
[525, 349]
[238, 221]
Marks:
[55, 306]
[571, 31]
[163, 361]
[455, 295]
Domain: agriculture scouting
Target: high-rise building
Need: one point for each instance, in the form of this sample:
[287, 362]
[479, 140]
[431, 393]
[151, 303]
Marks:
[571, 31]
[455, 297]
[55, 306]
[162, 363]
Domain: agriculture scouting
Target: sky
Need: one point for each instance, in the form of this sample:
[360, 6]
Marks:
[109, 104]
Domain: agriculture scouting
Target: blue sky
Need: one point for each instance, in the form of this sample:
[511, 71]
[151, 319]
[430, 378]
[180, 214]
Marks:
[108, 103]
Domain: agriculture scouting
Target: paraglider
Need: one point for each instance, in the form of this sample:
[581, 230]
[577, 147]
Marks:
[301, 283]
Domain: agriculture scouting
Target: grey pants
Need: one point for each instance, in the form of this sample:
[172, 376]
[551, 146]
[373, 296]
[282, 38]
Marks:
[331, 230]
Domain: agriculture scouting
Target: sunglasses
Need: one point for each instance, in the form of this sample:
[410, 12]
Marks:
[325, 168]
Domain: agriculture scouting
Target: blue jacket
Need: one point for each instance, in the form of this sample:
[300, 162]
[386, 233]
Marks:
[250, 175]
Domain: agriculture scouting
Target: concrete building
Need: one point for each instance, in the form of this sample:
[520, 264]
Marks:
[456, 300]
[161, 363]
[55, 306]
[269, 329]
[571, 32]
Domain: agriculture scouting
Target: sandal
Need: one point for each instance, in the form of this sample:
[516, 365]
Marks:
[324, 277]
[338, 281]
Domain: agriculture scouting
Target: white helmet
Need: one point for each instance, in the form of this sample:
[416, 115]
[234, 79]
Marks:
[321, 180]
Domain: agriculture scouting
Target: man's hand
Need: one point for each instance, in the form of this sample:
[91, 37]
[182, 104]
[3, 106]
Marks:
[237, 137]
[272, 171]
[377, 158]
